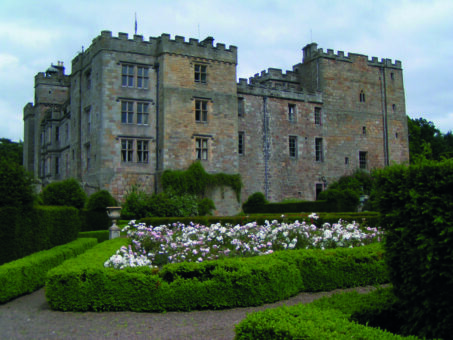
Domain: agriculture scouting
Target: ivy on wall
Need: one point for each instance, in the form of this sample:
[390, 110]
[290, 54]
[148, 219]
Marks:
[195, 180]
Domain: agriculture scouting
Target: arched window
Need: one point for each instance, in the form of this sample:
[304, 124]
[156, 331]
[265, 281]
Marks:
[362, 96]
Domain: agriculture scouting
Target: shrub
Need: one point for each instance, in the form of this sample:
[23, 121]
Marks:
[256, 199]
[169, 204]
[16, 186]
[28, 274]
[67, 193]
[135, 204]
[341, 200]
[205, 206]
[100, 200]
[416, 203]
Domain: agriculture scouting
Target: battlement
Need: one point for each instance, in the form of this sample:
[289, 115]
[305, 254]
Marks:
[248, 86]
[156, 46]
[274, 74]
[311, 51]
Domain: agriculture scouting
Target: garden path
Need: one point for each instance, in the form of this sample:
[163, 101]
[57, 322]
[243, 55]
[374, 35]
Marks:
[30, 317]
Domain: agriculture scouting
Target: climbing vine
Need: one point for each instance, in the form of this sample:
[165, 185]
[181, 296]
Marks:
[195, 180]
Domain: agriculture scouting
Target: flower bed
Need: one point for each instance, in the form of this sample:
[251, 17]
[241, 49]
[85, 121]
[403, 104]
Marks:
[156, 246]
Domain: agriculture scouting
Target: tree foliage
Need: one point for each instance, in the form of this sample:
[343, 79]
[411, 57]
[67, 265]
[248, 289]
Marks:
[427, 142]
[16, 185]
[67, 192]
[11, 151]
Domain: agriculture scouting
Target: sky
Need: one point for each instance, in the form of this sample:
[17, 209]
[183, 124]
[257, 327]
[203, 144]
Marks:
[269, 34]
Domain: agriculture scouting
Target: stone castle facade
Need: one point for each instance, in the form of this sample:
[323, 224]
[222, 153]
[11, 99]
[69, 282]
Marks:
[131, 109]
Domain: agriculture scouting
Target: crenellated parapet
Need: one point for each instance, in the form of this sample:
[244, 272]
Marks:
[311, 52]
[157, 46]
[267, 90]
[274, 74]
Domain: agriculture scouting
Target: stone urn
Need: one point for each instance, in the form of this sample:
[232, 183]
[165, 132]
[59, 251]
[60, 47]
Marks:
[114, 215]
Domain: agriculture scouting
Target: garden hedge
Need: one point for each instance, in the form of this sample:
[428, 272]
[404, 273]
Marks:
[100, 235]
[371, 219]
[83, 283]
[417, 213]
[36, 229]
[292, 207]
[28, 274]
[307, 322]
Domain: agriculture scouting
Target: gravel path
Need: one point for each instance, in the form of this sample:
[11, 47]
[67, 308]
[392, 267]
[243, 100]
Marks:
[29, 317]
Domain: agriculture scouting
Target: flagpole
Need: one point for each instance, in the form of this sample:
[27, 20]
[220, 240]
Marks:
[135, 23]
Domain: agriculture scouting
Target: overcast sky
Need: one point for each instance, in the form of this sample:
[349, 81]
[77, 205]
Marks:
[34, 34]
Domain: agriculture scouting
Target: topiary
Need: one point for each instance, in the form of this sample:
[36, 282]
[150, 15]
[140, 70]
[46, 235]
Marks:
[100, 200]
[67, 192]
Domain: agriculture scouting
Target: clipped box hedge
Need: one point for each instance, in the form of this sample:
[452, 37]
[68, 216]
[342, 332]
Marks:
[306, 322]
[28, 274]
[371, 219]
[84, 284]
[36, 229]
[100, 235]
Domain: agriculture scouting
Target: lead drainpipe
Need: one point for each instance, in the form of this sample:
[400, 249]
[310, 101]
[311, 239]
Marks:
[79, 130]
[384, 116]
[156, 67]
[266, 148]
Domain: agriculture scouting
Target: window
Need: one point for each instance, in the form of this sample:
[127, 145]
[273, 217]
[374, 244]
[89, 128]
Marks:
[88, 79]
[67, 132]
[88, 155]
[201, 110]
[364, 130]
[142, 151]
[127, 150]
[293, 146]
[201, 148]
[127, 112]
[362, 159]
[241, 142]
[317, 115]
[393, 107]
[318, 150]
[57, 165]
[392, 76]
[127, 76]
[88, 118]
[142, 77]
[57, 133]
[67, 164]
[200, 73]
[291, 112]
[362, 96]
[319, 188]
[142, 113]
[346, 160]
[241, 107]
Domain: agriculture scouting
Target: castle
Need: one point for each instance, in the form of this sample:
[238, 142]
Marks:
[132, 108]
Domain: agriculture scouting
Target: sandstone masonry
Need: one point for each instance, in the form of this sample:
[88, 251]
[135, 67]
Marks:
[131, 109]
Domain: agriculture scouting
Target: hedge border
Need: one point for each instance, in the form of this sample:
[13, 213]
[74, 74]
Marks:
[372, 219]
[307, 322]
[28, 274]
[83, 284]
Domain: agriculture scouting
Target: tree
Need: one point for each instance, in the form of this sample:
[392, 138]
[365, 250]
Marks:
[67, 192]
[426, 141]
[11, 151]
[16, 185]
